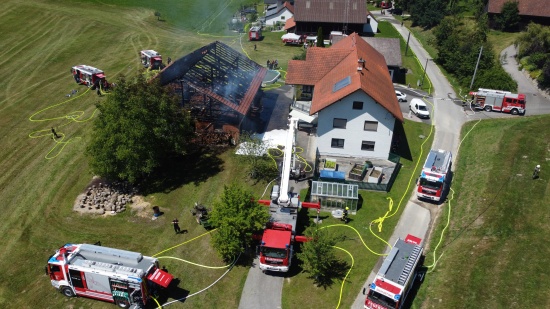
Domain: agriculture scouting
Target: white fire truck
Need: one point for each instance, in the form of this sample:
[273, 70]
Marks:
[396, 275]
[118, 276]
[500, 101]
[151, 59]
[435, 175]
[276, 248]
[88, 75]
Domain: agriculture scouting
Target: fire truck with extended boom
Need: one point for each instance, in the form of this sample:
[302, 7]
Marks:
[118, 276]
[276, 248]
[500, 101]
[435, 175]
[396, 276]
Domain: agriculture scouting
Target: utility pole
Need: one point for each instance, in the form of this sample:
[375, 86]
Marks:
[475, 71]
[424, 75]
[407, 47]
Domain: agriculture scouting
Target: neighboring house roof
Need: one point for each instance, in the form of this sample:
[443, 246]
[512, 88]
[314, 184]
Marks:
[331, 11]
[334, 73]
[286, 5]
[526, 7]
[237, 80]
[289, 6]
[270, 1]
[290, 23]
[388, 47]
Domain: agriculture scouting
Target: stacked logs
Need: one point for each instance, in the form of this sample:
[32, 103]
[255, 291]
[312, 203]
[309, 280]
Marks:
[105, 197]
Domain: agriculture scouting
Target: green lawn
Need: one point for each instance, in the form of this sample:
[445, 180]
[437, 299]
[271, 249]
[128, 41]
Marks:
[494, 249]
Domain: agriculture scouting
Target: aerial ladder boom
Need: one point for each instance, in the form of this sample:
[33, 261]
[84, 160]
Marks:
[284, 199]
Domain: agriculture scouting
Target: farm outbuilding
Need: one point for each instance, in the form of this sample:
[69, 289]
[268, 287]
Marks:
[221, 89]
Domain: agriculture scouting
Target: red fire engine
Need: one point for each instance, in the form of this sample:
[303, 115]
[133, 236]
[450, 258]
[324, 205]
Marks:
[118, 276]
[276, 249]
[255, 33]
[434, 176]
[151, 59]
[500, 101]
[396, 275]
[88, 75]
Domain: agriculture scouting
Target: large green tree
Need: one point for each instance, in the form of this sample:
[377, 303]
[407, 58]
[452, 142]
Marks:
[139, 125]
[237, 216]
[509, 18]
[428, 13]
[318, 255]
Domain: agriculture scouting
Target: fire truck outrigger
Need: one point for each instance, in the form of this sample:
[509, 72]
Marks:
[118, 276]
[435, 175]
[498, 100]
[396, 276]
[276, 248]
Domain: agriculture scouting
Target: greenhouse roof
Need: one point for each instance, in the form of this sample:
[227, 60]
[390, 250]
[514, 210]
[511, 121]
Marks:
[333, 189]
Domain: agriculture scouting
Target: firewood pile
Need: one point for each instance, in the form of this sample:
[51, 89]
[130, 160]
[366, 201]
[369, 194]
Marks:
[102, 197]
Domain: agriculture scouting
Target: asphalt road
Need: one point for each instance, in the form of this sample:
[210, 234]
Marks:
[537, 102]
[448, 118]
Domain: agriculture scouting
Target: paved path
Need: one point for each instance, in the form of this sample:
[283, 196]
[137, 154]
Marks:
[448, 119]
[261, 290]
[537, 102]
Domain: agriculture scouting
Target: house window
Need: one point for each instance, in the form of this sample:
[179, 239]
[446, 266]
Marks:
[339, 123]
[371, 126]
[283, 17]
[367, 145]
[307, 88]
[357, 105]
[368, 20]
[337, 143]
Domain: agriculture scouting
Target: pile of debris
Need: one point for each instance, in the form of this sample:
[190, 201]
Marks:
[102, 197]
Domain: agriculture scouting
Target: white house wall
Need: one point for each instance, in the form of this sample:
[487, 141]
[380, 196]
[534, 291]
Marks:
[354, 132]
[371, 27]
[271, 20]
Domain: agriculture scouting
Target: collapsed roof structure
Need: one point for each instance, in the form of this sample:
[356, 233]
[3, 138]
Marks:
[220, 87]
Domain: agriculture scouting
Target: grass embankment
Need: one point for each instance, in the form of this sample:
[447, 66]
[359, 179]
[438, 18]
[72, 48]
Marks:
[494, 249]
[300, 292]
[499, 40]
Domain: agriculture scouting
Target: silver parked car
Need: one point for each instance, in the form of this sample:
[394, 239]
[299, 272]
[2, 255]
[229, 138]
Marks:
[401, 97]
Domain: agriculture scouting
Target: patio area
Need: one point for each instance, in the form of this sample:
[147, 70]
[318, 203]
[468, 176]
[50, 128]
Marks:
[356, 170]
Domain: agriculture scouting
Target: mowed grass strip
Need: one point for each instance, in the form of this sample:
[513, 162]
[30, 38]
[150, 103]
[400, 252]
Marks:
[495, 247]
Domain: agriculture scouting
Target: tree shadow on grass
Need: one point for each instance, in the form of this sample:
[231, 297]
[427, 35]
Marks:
[337, 272]
[195, 167]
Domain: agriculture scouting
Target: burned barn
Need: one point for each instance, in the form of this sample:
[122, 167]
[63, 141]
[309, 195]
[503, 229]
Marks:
[221, 89]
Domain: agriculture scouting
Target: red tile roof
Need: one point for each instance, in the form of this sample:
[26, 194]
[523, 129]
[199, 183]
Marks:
[324, 67]
[526, 7]
[289, 6]
[331, 11]
[290, 23]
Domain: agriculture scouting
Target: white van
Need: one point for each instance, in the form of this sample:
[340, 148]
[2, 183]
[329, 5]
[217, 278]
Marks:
[419, 108]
